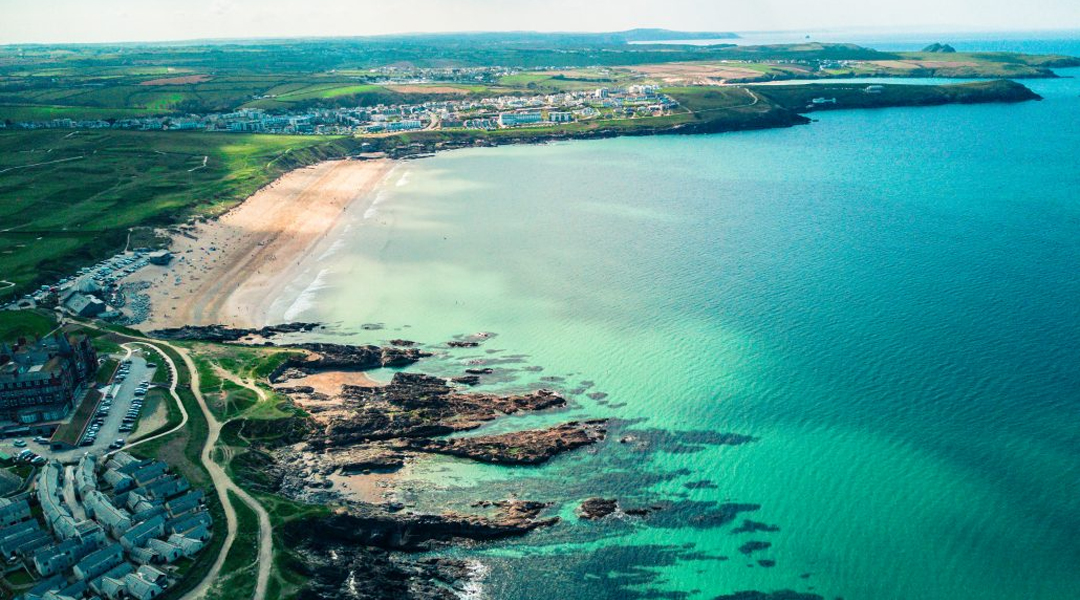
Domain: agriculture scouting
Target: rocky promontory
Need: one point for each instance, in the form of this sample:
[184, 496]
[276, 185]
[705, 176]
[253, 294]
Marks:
[221, 333]
[414, 405]
[368, 541]
[341, 357]
[517, 448]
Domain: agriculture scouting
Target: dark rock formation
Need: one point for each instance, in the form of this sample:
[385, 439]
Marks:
[939, 47]
[329, 572]
[341, 357]
[483, 371]
[517, 448]
[597, 508]
[221, 333]
[366, 457]
[307, 390]
[404, 343]
[467, 380]
[370, 525]
[415, 405]
[462, 344]
[355, 543]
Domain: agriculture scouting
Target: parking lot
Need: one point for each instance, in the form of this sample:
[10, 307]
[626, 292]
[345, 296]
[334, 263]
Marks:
[122, 400]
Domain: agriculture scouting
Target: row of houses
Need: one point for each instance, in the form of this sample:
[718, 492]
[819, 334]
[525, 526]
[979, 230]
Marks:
[106, 530]
[561, 108]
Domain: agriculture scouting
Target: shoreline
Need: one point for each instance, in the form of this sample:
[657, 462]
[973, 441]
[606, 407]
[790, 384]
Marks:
[233, 270]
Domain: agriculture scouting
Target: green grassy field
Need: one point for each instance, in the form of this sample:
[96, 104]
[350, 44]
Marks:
[851, 95]
[24, 323]
[68, 199]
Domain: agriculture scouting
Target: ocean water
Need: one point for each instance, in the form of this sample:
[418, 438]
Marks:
[887, 301]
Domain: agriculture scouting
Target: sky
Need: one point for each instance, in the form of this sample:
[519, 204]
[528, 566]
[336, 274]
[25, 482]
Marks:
[55, 21]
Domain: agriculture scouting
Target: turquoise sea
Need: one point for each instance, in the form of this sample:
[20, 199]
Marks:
[887, 301]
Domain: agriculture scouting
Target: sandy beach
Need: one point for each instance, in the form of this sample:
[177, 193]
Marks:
[230, 270]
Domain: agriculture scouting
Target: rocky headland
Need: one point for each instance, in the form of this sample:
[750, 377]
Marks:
[379, 428]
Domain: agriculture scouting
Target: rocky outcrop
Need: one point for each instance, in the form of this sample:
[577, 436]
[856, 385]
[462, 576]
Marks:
[363, 458]
[517, 448]
[939, 47]
[330, 572]
[462, 344]
[221, 333]
[592, 509]
[369, 525]
[359, 543]
[420, 406]
[597, 508]
[341, 357]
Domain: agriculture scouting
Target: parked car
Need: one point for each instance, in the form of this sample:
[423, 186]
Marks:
[19, 443]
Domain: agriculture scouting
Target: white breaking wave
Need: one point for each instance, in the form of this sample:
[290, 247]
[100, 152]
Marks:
[474, 587]
[404, 179]
[338, 244]
[374, 208]
[306, 299]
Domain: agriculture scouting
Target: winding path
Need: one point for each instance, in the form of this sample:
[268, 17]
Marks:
[221, 481]
[224, 485]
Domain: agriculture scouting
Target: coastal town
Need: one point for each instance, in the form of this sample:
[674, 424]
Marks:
[110, 526]
[498, 112]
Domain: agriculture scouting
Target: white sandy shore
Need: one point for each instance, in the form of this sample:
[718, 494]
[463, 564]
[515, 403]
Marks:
[237, 265]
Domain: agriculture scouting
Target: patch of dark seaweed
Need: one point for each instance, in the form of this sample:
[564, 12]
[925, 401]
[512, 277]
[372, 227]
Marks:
[625, 572]
[706, 514]
[780, 595]
[749, 526]
[680, 442]
[753, 546]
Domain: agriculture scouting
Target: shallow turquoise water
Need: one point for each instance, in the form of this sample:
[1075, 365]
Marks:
[887, 300]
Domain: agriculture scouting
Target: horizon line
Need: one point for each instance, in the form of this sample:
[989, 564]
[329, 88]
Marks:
[726, 35]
